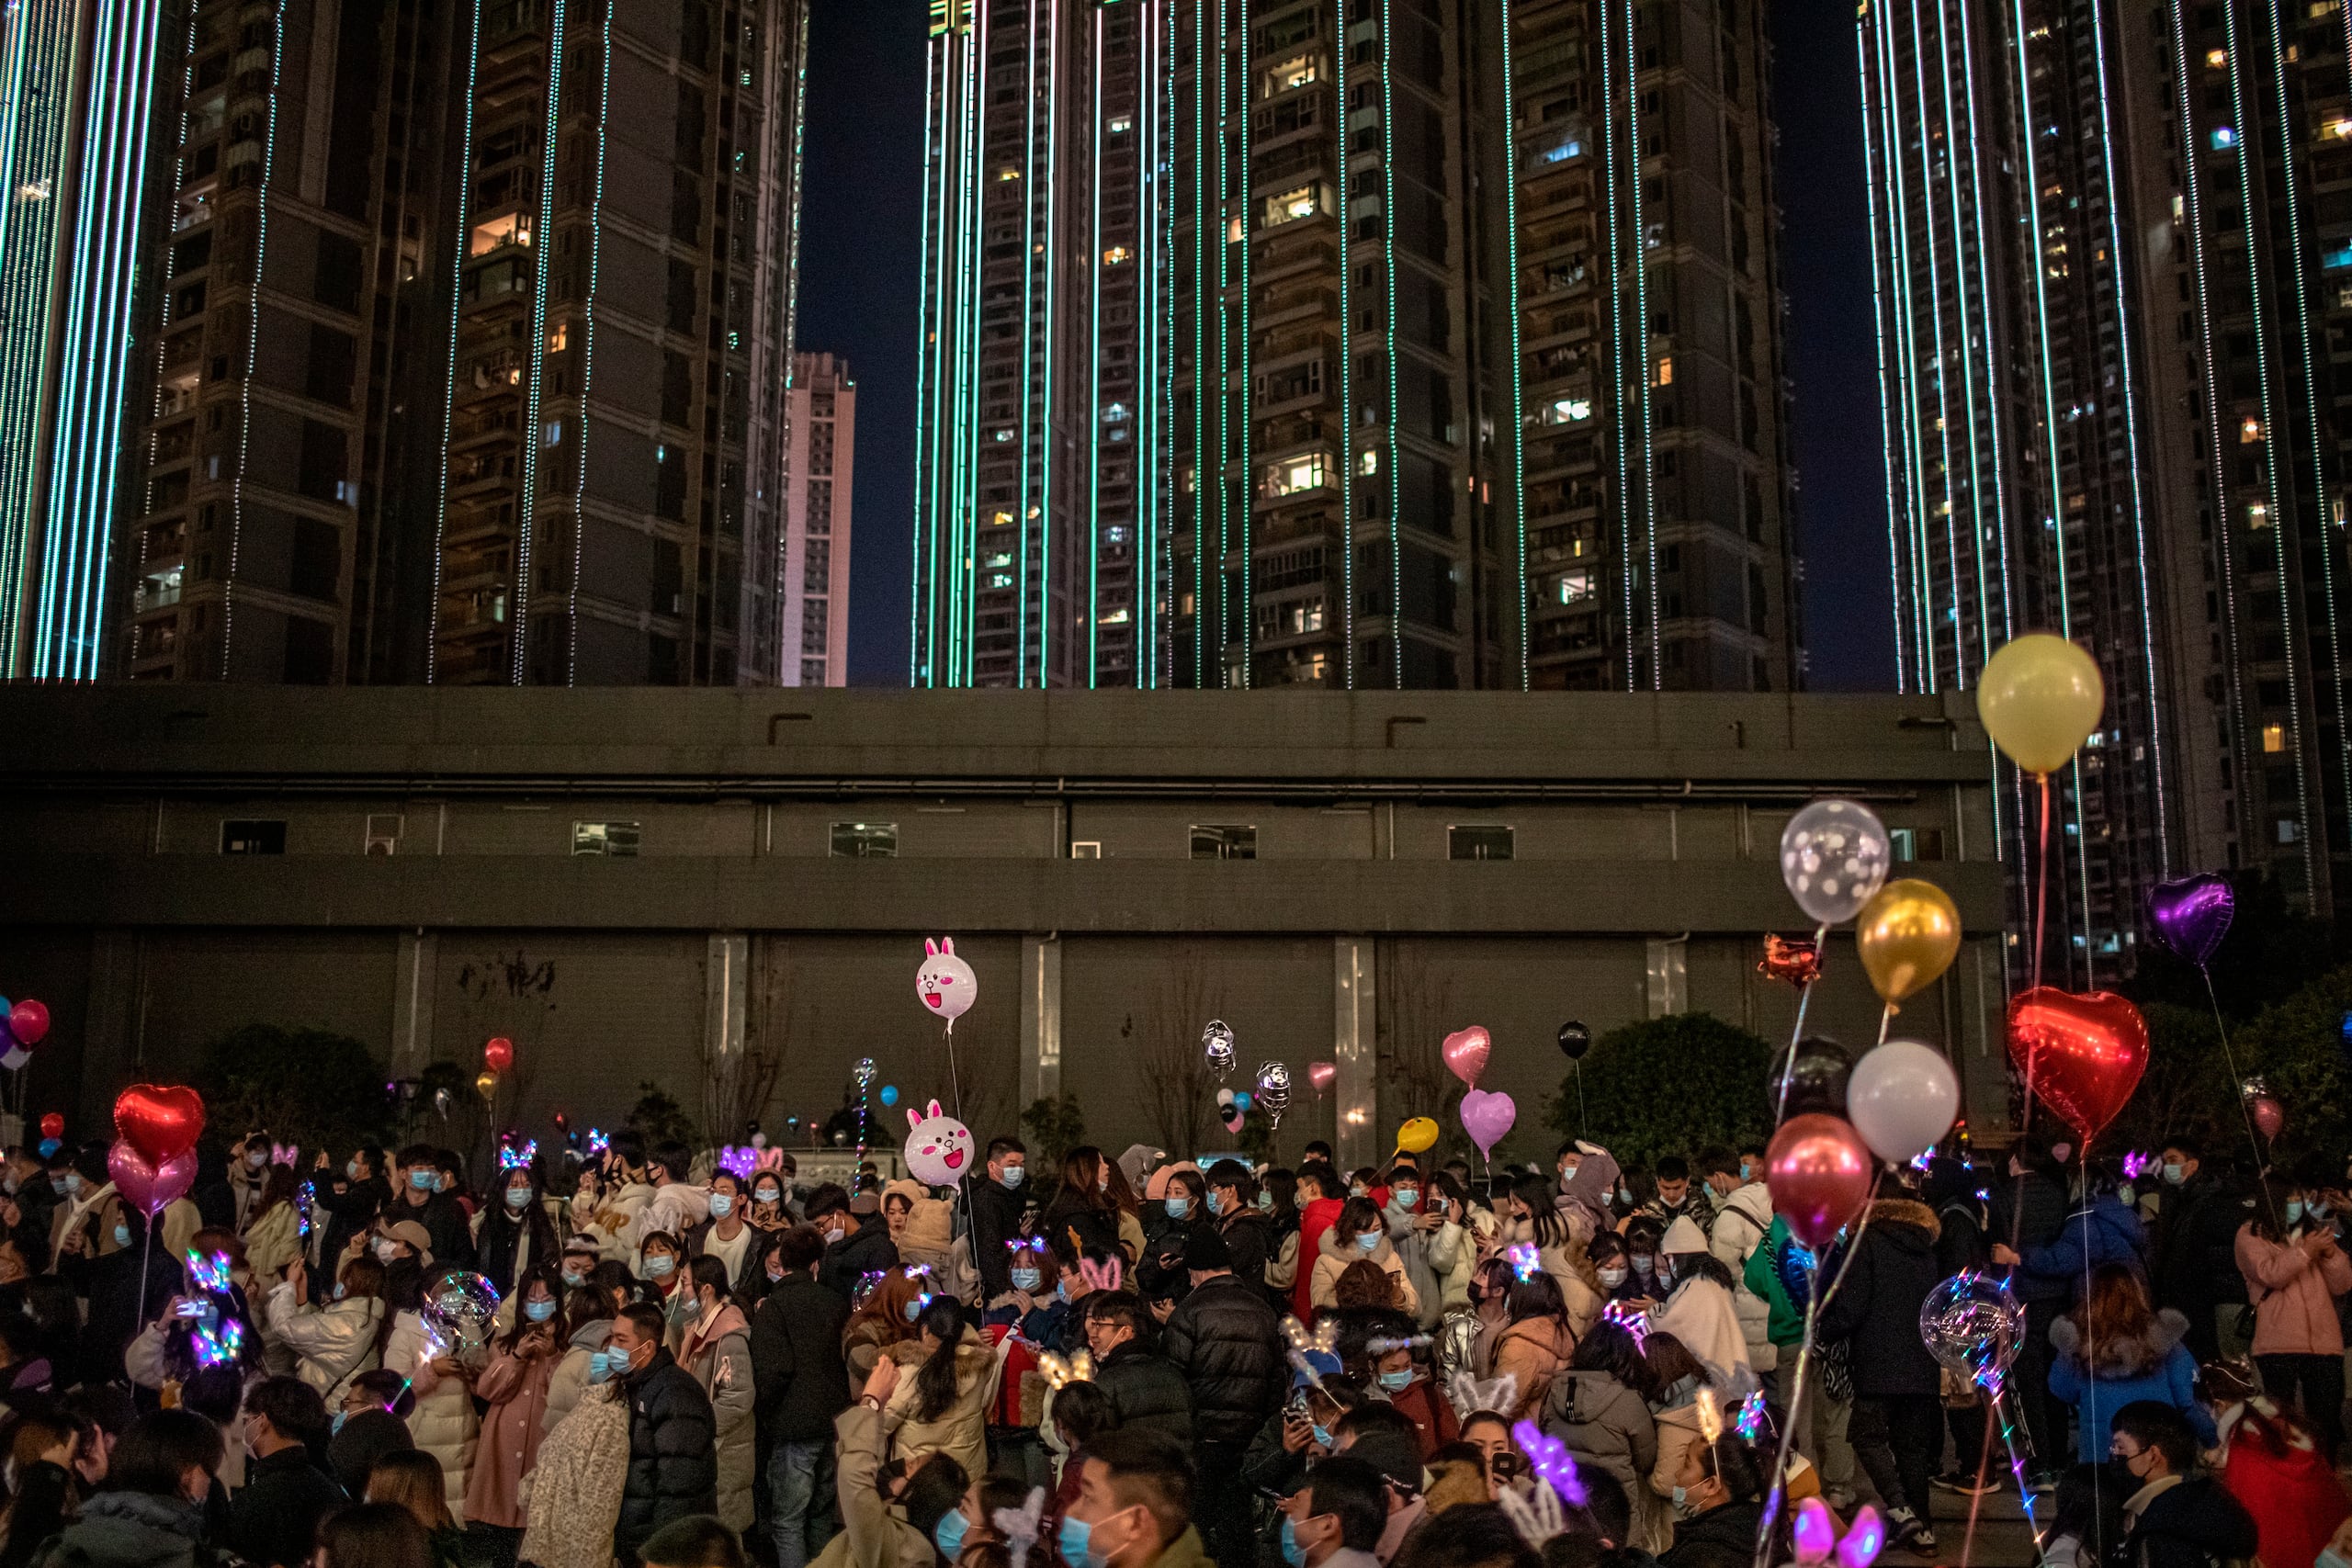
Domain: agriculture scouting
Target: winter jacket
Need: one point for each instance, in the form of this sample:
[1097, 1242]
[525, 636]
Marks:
[1605, 1424]
[1567, 1263]
[800, 1381]
[444, 1219]
[961, 1431]
[1533, 1350]
[2191, 1524]
[1248, 1242]
[1700, 1313]
[130, 1530]
[44, 1492]
[576, 1491]
[2193, 1250]
[350, 1207]
[273, 1242]
[672, 1210]
[1314, 1221]
[1227, 1343]
[1720, 1537]
[1097, 1228]
[864, 1249]
[2104, 1229]
[1431, 1414]
[2156, 1366]
[673, 1466]
[513, 1427]
[1698, 1206]
[274, 1522]
[331, 1345]
[2033, 1210]
[1677, 1432]
[874, 1534]
[443, 1422]
[614, 1222]
[366, 1437]
[2295, 1296]
[720, 1356]
[1784, 1320]
[1742, 1220]
[1332, 1257]
[1146, 1390]
[996, 1211]
[1877, 1309]
[569, 1381]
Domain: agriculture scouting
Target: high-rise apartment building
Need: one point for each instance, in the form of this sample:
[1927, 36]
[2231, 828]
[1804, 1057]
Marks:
[2107, 414]
[822, 423]
[1336, 342]
[77, 77]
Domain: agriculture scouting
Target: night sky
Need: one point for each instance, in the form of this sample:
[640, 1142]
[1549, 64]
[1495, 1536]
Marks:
[861, 245]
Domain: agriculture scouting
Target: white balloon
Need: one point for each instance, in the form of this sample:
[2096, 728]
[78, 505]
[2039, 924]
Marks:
[938, 1147]
[945, 984]
[1834, 856]
[1902, 1098]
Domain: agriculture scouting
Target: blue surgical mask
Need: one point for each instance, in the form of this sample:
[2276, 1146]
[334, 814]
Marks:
[351, 1169]
[605, 1365]
[1643, 1264]
[1265, 1203]
[1369, 1241]
[2294, 1212]
[1293, 1553]
[1396, 1382]
[334, 1428]
[1322, 1436]
[73, 1182]
[340, 1288]
[1745, 1166]
[1027, 1279]
[1074, 1540]
[573, 1280]
[767, 1195]
[1015, 1174]
[659, 1265]
[1611, 1278]
[2175, 1173]
[539, 1312]
[2328, 1558]
[1177, 1207]
[122, 1233]
[1404, 1199]
[721, 1205]
[421, 1180]
[948, 1533]
[2316, 1208]
[1681, 1503]
[1217, 1201]
[518, 1197]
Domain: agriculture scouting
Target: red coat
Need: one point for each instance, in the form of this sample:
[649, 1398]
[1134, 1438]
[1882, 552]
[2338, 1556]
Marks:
[2275, 1471]
[1431, 1416]
[1313, 1221]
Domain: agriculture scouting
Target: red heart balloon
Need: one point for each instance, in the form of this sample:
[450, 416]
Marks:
[1465, 1054]
[2082, 1055]
[160, 1122]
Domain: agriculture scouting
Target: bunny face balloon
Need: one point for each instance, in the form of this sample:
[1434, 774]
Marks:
[939, 1147]
[945, 984]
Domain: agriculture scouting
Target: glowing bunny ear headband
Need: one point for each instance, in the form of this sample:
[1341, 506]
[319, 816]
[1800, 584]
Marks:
[1061, 1373]
[1101, 1276]
[1021, 1526]
[1816, 1536]
[1470, 1395]
[1537, 1509]
[518, 1156]
[283, 1153]
[1306, 1345]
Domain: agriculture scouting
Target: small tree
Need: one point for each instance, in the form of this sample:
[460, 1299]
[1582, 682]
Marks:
[306, 1085]
[1412, 1013]
[1178, 1086]
[1055, 1126]
[1671, 1085]
[657, 1118]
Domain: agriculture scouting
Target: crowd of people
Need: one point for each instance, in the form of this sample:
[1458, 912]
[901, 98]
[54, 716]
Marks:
[700, 1360]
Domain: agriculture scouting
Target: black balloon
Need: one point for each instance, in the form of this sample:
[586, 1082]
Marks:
[1575, 1040]
[1816, 1080]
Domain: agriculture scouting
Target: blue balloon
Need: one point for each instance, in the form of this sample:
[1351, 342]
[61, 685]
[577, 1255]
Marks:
[889, 1094]
[1241, 1100]
[50, 1147]
[2345, 1028]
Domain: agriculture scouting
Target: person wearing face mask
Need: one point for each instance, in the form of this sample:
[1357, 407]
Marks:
[150, 1513]
[939, 1402]
[1597, 1408]
[1145, 1389]
[248, 1168]
[1742, 1207]
[77, 1178]
[1336, 1519]
[727, 1235]
[1135, 1506]
[801, 1385]
[1359, 1232]
[672, 1467]
[770, 1209]
[998, 1197]
[574, 1504]
[1226, 1343]
[715, 1350]
[513, 1386]
[1718, 1495]
[1560, 1240]
[2174, 1516]
[857, 1241]
[513, 1234]
[1232, 1201]
[349, 1196]
[2297, 1275]
[418, 1197]
[1179, 1198]
[1419, 1233]
[332, 1341]
[1319, 1195]
[1678, 1196]
[1377, 1348]
[443, 1423]
[890, 1509]
[676, 1205]
[274, 1518]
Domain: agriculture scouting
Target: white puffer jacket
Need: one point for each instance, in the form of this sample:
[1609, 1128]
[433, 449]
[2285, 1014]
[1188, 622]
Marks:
[443, 1424]
[331, 1345]
[1741, 1220]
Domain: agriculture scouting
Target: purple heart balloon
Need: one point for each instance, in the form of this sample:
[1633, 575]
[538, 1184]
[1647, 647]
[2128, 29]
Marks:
[2192, 915]
[1486, 1117]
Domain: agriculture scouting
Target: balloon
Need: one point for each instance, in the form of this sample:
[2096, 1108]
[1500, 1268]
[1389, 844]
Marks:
[499, 1055]
[1322, 1074]
[889, 1094]
[29, 1023]
[2192, 915]
[2040, 698]
[458, 1307]
[939, 1147]
[1908, 936]
[2269, 1115]
[1466, 1051]
[1225, 1099]
[863, 1072]
[1244, 1100]
[945, 984]
[1575, 1040]
[1417, 1135]
[2082, 1054]
[149, 1186]
[441, 1102]
[15, 1057]
[1796, 960]
[1972, 1325]
[1819, 1176]
[159, 1121]
[1232, 1116]
[486, 1084]
[52, 1125]
[1902, 1100]
[1486, 1117]
[1216, 1039]
[1834, 856]
[51, 1145]
[1817, 1077]
[1273, 1090]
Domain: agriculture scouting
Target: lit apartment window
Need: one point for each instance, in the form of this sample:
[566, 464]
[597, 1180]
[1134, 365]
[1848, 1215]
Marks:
[2249, 431]
[1117, 256]
[2257, 514]
[1370, 462]
[1086, 849]
[1480, 843]
[1665, 371]
[2225, 138]
[615, 839]
[1291, 206]
[253, 838]
[1219, 842]
[1572, 587]
[1292, 475]
[1560, 153]
[865, 840]
[1296, 72]
[2274, 737]
[1122, 124]
[2217, 58]
[509, 229]
[1566, 410]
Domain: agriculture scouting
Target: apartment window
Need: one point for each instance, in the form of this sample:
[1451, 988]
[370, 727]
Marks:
[865, 840]
[383, 833]
[1572, 587]
[1086, 849]
[1665, 371]
[1296, 72]
[1291, 206]
[2274, 737]
[1666, 982]
[1915, 843]
[1117, 256]
[1481, 841]
[1220, 842]
[1292, 475]
[604, 838]
[253, 838]
[509, 229]
[1566, 410]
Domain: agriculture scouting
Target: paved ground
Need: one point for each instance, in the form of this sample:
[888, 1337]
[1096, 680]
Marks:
[2002, 1539]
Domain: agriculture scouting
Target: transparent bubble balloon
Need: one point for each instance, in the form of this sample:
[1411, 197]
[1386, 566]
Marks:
[865, 1072]
[1216, 1042]
[1834, 856]
[458, 1306]
[1972, 1325]
[1273, 1090]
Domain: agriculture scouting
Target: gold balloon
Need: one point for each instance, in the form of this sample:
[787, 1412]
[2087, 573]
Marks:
[1908, 936]
[2040, 698]
[486, 1085]
[1416, 1136]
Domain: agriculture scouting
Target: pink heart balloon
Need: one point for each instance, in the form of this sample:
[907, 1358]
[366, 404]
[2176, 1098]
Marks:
[1486, 1118]
[1465, 1053]
[1322, 1074]
[149, 1187]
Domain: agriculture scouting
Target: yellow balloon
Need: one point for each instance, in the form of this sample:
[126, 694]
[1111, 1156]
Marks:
[2040, 698]
[486, 1085]
[1417, 1135]
[1908, 936]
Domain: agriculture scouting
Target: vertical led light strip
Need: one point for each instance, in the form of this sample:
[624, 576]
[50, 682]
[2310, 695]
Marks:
[1992, 373]
[1518, 375]
[2041, 317]
[1968, 401]
[1055, 258]
[456, 299]
[1625, 573]
[1094, 401]
[1882, 282]
[921, 627]
[1030, 424]
[1204, 394]
[542, 260]
[1396, 369]
[588, 360]
[1936, 326]
[1905, 312]
[1245, 384]
[963, 513]
[1165, 326]
[253, 342]
[1223, 380]
[1642, 303]
[1348, 463]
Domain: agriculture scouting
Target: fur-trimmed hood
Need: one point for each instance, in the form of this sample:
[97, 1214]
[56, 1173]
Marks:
[1906, 1211]
[2123, 1358]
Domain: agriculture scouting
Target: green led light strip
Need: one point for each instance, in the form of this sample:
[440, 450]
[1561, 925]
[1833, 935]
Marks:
[1642, 306]
[457, 298]
[1968, 401]
[1094, 402]
[588, 353]
[1388, 257]
[1882, 284]
[1347, 364]
[1517, 369]
[526, 507]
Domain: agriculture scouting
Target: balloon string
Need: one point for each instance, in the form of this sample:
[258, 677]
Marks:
[1580, 1118]
[2042, 884]
[1805, 999]
[146, 1251]
[1886, 1021]
[1976, 1480]
[2261, 1153]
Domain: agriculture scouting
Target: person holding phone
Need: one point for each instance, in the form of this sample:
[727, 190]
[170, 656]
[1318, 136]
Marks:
[515, 1386]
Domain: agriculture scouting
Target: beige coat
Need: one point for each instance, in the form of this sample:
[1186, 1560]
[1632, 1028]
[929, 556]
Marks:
[575, 1489]
[1334, 1258]
[961, 1433]
[272, 1243]
[443, 1424]
[720, 1356]
[874, 1534]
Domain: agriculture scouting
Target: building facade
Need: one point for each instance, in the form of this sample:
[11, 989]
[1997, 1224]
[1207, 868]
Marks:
[1398, 295]
[821, 420]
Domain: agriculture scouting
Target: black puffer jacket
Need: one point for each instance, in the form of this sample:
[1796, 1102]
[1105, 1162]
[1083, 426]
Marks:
[1249, 1238]
[1877, 1309]
[1225, 1341]
[796, 1359]
[867, 1249]
[1146, 1390]
[672, 1453]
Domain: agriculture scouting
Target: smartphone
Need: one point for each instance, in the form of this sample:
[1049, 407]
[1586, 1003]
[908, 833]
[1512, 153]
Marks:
[1506, 1465]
